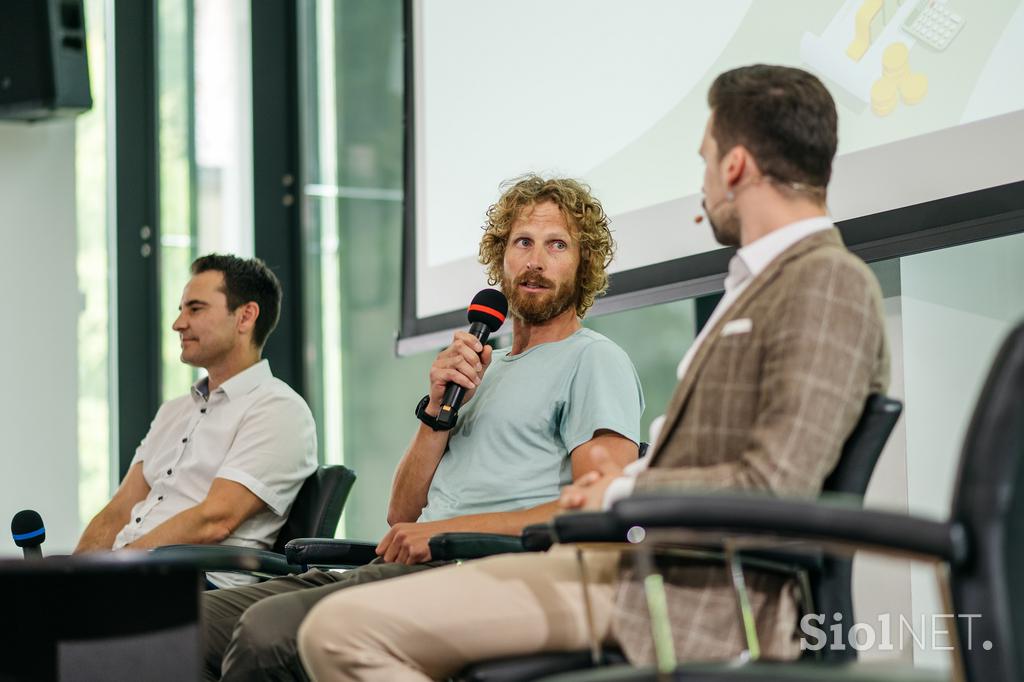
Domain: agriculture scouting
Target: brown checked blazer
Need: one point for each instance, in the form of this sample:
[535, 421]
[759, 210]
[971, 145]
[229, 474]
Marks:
[765, 409]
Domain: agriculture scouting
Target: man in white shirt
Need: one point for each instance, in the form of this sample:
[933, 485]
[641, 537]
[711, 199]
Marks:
[224, 463]
[767, 396]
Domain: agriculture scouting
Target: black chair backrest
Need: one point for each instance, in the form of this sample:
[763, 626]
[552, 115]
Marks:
[831, 585]
[318, 505]
[989, 506]
[864, 446]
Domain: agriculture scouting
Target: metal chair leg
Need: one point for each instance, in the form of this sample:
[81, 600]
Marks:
[807, 603]
[739, 586]
[595, 646]
[657, 607]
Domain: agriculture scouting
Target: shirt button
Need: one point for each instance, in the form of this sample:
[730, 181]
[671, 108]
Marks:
[169, 472]
[160, 498]
[138, 519]
[203, 411]
[184, 440]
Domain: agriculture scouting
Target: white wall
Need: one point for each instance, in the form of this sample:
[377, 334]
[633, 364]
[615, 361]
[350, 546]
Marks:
[39, 339]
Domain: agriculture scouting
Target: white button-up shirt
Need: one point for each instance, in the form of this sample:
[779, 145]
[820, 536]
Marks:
[749, 262]
[253, 429]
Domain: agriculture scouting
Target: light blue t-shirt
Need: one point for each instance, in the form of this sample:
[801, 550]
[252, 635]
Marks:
[510, 448]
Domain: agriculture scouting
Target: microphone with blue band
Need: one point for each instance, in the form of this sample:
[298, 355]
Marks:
[29, 532]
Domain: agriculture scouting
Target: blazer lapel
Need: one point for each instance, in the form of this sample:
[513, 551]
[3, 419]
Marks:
[684, 388]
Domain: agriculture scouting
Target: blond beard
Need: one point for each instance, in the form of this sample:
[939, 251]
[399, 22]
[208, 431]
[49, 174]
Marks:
[539, 309]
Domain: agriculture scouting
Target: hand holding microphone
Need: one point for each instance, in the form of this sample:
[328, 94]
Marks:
[462, 365]
[457, 371]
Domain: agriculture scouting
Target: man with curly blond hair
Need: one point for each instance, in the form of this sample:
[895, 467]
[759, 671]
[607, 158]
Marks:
[537, 416]
[596, 246]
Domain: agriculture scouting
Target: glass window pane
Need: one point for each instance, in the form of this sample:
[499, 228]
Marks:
[947, 312]
[205, 106]
[94, 418]
[320, 228]
[177, 208]
[655, 338]
[352, 140]
[957, 306]
[223, 127]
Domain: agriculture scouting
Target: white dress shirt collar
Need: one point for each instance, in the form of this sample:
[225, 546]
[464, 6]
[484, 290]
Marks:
[756, 255]
[240, 384]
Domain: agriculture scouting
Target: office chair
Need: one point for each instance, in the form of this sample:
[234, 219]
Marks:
[977, 551]
[825, 580]
[315, 512]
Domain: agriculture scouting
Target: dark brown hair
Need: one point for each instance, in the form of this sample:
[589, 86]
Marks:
[783, 116]
[245, 280]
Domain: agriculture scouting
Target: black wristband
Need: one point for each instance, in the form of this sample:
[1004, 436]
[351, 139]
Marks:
[421, 414]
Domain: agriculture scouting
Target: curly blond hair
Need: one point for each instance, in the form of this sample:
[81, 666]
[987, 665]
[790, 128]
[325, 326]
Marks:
[587, 222]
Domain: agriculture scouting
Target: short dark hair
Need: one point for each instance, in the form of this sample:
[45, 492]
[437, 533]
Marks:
[245, 280]
[784, 116]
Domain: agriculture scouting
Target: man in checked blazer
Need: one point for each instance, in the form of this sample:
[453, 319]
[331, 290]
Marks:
[767, 394]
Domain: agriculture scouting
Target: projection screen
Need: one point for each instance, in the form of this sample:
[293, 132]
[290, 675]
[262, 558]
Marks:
[613, 92]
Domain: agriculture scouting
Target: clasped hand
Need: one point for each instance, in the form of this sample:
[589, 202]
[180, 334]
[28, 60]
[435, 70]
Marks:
[408, 542]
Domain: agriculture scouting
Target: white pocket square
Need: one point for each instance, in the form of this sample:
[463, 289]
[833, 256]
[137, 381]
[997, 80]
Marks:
[741, 326]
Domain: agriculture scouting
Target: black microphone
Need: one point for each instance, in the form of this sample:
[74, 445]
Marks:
[486, 314]
[28, 531]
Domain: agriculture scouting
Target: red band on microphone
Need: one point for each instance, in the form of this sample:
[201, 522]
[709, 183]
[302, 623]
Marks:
[487, 311]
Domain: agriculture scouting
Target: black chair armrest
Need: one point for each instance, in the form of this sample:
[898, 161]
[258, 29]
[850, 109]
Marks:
[452, 546]
[537, 537]
[782, 518]
[228, 558]
[330, 552]
[607, 527]
[588, 527]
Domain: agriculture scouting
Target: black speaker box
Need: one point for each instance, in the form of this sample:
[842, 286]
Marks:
[44, 71]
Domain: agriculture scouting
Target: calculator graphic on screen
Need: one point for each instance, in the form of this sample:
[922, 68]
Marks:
[934, 24]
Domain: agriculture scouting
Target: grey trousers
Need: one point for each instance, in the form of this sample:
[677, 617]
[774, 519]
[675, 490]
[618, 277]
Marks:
[249, 633]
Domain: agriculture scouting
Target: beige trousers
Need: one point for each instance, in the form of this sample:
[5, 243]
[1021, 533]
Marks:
[432, 624]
